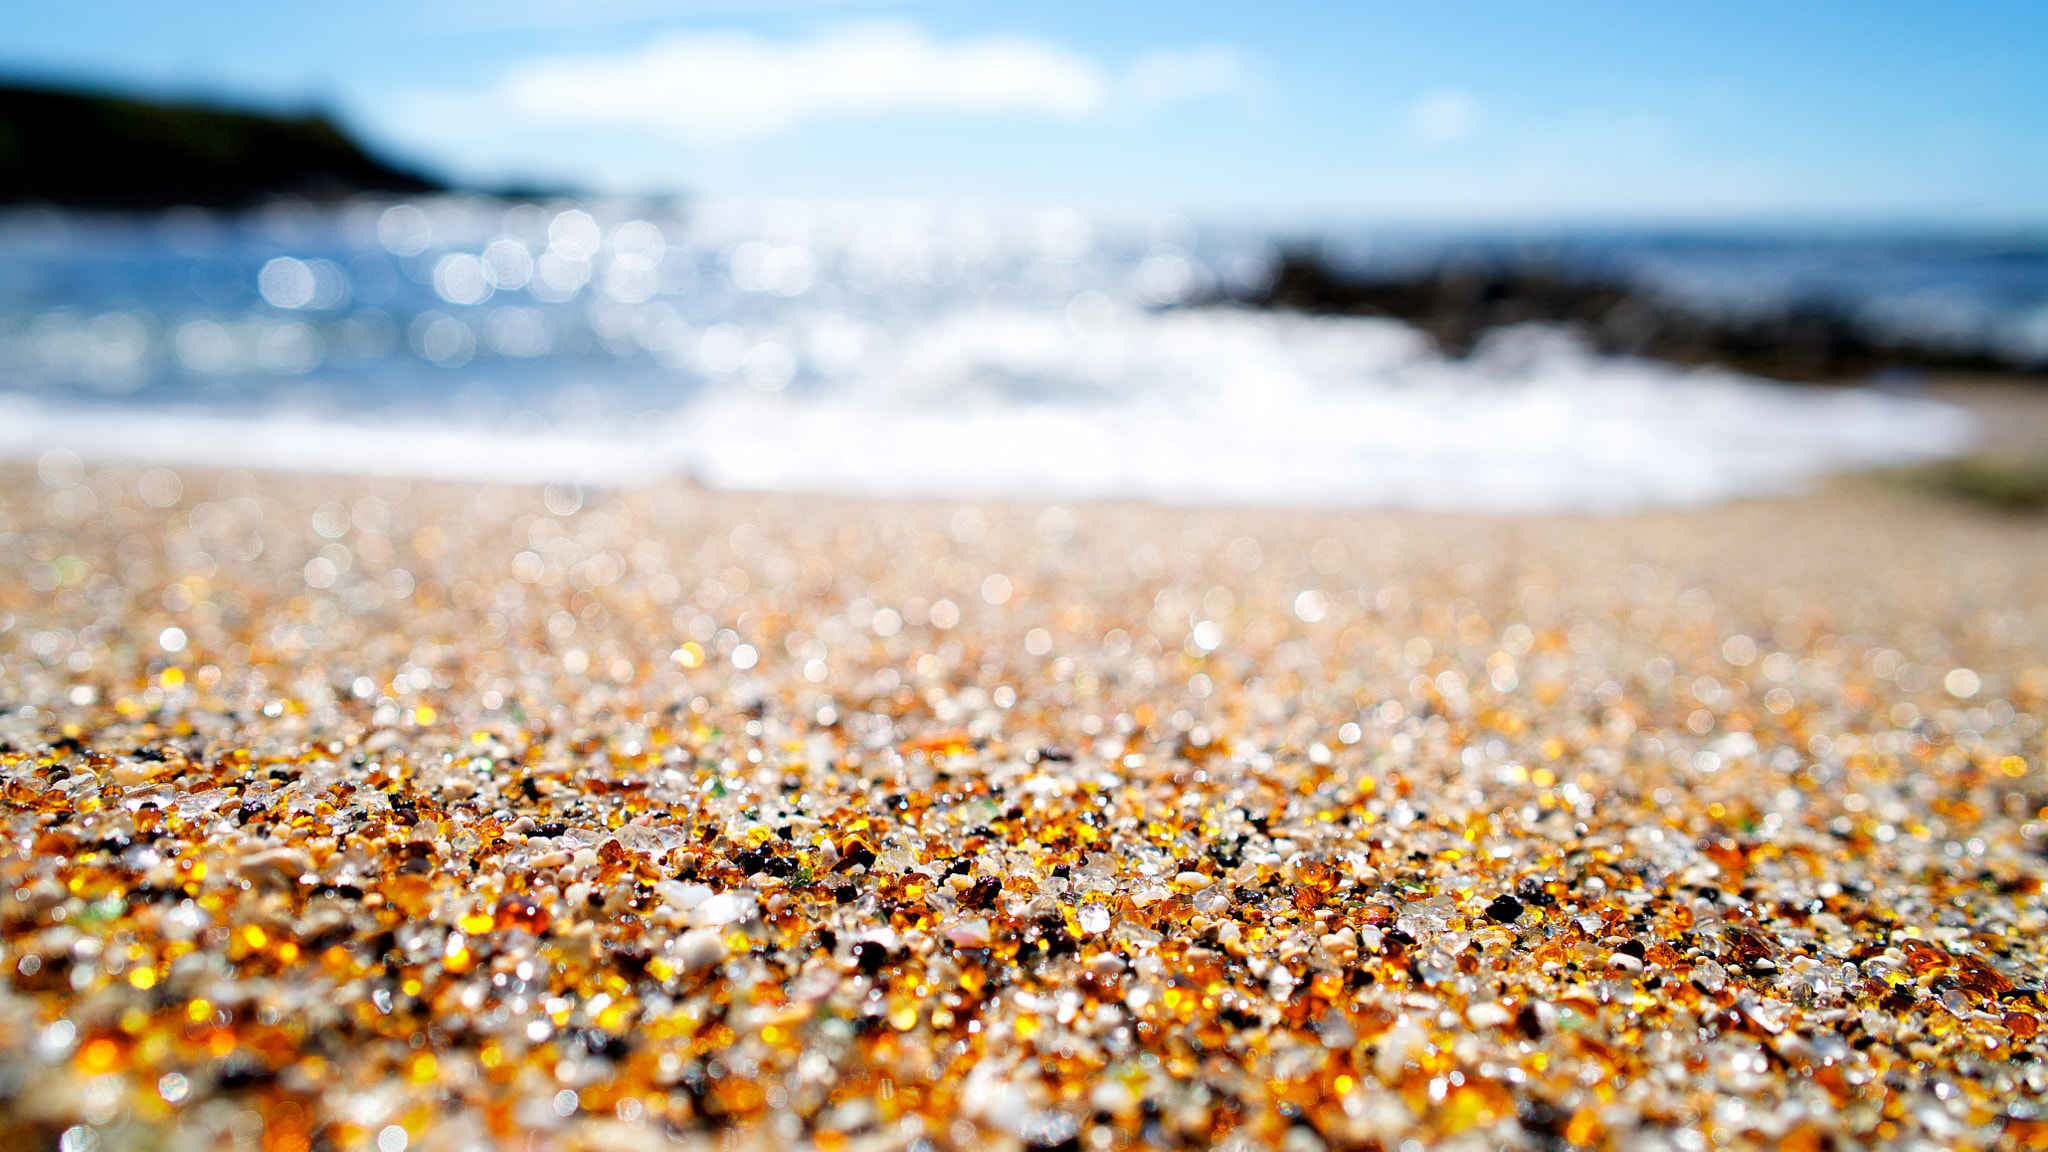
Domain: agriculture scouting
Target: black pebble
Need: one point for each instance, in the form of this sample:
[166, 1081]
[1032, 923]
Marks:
[870, 956]
[1504, 910]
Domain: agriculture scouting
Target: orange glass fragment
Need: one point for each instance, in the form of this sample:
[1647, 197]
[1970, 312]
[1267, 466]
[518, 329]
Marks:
[1923, 959]
[1981, 979]
[521, 913]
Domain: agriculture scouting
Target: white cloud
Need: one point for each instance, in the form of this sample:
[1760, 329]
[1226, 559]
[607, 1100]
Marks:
[1164, 75]
[721, 87]
[1444, 116]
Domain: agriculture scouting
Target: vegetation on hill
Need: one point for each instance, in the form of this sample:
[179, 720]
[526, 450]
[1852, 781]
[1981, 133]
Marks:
[105, 151]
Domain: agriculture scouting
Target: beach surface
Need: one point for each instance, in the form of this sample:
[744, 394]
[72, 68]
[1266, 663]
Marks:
[347, 814]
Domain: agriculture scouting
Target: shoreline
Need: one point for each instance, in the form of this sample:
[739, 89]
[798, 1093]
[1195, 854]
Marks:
[1232, 822]
[1670, 439]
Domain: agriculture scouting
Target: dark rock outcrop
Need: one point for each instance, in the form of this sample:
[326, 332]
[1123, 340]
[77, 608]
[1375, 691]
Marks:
[1458, 303]
[95, 150]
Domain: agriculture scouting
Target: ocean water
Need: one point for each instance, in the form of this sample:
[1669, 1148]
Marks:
[867, 349]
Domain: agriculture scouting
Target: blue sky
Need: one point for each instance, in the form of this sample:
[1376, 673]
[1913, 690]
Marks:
[1446, 111]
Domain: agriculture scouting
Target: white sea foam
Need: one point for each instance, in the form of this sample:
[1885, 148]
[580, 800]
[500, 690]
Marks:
[1193, 405]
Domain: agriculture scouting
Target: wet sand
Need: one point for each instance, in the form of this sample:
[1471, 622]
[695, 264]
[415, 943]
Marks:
[369, 814]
